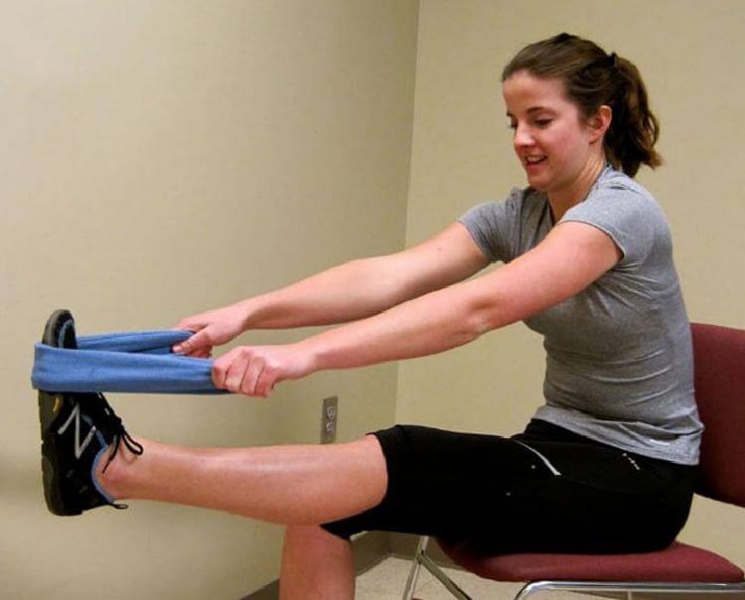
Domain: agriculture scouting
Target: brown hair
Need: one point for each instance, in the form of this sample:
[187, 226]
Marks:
[592, 79]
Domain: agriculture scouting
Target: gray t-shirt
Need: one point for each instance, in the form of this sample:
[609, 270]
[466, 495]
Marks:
[619, 361]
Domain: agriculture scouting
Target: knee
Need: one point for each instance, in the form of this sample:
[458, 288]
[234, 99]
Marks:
[303, 533]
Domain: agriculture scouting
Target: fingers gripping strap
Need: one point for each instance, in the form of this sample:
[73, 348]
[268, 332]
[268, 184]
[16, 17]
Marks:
[139, 362]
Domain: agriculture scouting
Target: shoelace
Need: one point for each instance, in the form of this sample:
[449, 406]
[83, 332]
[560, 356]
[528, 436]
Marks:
[120, 435]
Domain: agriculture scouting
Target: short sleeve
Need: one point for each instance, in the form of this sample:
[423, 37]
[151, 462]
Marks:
[493, 226]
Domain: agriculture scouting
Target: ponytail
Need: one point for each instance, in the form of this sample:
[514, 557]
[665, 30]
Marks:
[592, 79]
[634, 129]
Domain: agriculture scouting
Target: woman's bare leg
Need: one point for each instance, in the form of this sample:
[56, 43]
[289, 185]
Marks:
[316, 565]
[292, 485]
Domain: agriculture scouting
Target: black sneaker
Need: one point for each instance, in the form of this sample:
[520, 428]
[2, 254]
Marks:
[76, 430]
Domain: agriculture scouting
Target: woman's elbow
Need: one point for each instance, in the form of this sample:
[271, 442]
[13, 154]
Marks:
[488, 315]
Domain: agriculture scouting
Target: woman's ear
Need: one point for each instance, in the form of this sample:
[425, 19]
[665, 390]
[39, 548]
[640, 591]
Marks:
[600, 122]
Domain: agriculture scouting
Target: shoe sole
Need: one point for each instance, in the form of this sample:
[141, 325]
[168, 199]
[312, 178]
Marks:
[50, 404]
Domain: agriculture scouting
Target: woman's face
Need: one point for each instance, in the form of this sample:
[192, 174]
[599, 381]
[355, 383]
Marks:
[557, 147]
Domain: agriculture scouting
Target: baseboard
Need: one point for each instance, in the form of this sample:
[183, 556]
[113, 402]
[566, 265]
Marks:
[404, 546]
[370, 548]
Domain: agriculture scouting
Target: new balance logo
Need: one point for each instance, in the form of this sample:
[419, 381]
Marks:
[75, 417]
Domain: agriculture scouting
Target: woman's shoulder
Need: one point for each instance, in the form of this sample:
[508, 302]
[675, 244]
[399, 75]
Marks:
[518, 203]
[617, 193]
[616, 183]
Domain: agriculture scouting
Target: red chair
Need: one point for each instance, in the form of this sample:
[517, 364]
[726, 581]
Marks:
[719, 356]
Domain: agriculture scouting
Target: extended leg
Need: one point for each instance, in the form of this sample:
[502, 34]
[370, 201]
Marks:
[305, 485]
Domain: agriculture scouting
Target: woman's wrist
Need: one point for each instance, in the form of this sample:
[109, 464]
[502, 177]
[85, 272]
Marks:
[311, 351]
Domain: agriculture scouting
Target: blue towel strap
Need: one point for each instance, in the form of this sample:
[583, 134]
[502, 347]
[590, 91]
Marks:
[139, 362]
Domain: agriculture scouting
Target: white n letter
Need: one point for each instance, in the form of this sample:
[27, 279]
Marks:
[75, 415]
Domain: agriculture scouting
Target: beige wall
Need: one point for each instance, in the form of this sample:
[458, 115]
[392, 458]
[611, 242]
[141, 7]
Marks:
[691, 54]
[164, 157]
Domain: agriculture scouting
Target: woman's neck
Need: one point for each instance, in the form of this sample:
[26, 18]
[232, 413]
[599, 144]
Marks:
[562, 201]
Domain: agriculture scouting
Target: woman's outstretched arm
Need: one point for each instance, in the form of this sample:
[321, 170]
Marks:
[349, 292]
[571, 257]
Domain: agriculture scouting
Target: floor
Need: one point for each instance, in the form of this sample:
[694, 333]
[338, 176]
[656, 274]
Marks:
[387, 580]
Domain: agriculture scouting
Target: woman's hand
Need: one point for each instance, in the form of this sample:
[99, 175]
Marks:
[255, 370]
[212, 328]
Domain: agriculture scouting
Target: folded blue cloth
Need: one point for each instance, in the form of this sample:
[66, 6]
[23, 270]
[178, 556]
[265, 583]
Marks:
[139, 362]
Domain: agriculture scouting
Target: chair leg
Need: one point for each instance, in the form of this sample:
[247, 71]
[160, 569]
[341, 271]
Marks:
[416, 565]
[421, 559]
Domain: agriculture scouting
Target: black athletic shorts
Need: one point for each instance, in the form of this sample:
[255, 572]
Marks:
[544, 490]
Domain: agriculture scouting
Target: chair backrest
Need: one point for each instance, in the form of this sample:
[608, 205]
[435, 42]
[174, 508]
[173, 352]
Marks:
[719, 379]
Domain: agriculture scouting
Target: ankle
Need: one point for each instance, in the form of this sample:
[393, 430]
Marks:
[111, 471]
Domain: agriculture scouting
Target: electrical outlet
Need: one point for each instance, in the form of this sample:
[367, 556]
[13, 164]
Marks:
[329, 416]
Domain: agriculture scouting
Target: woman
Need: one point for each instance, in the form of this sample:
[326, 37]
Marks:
[606, 465]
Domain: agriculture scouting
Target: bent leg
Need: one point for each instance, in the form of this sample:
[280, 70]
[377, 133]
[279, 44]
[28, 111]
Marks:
[292, 485]
[316, 565]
